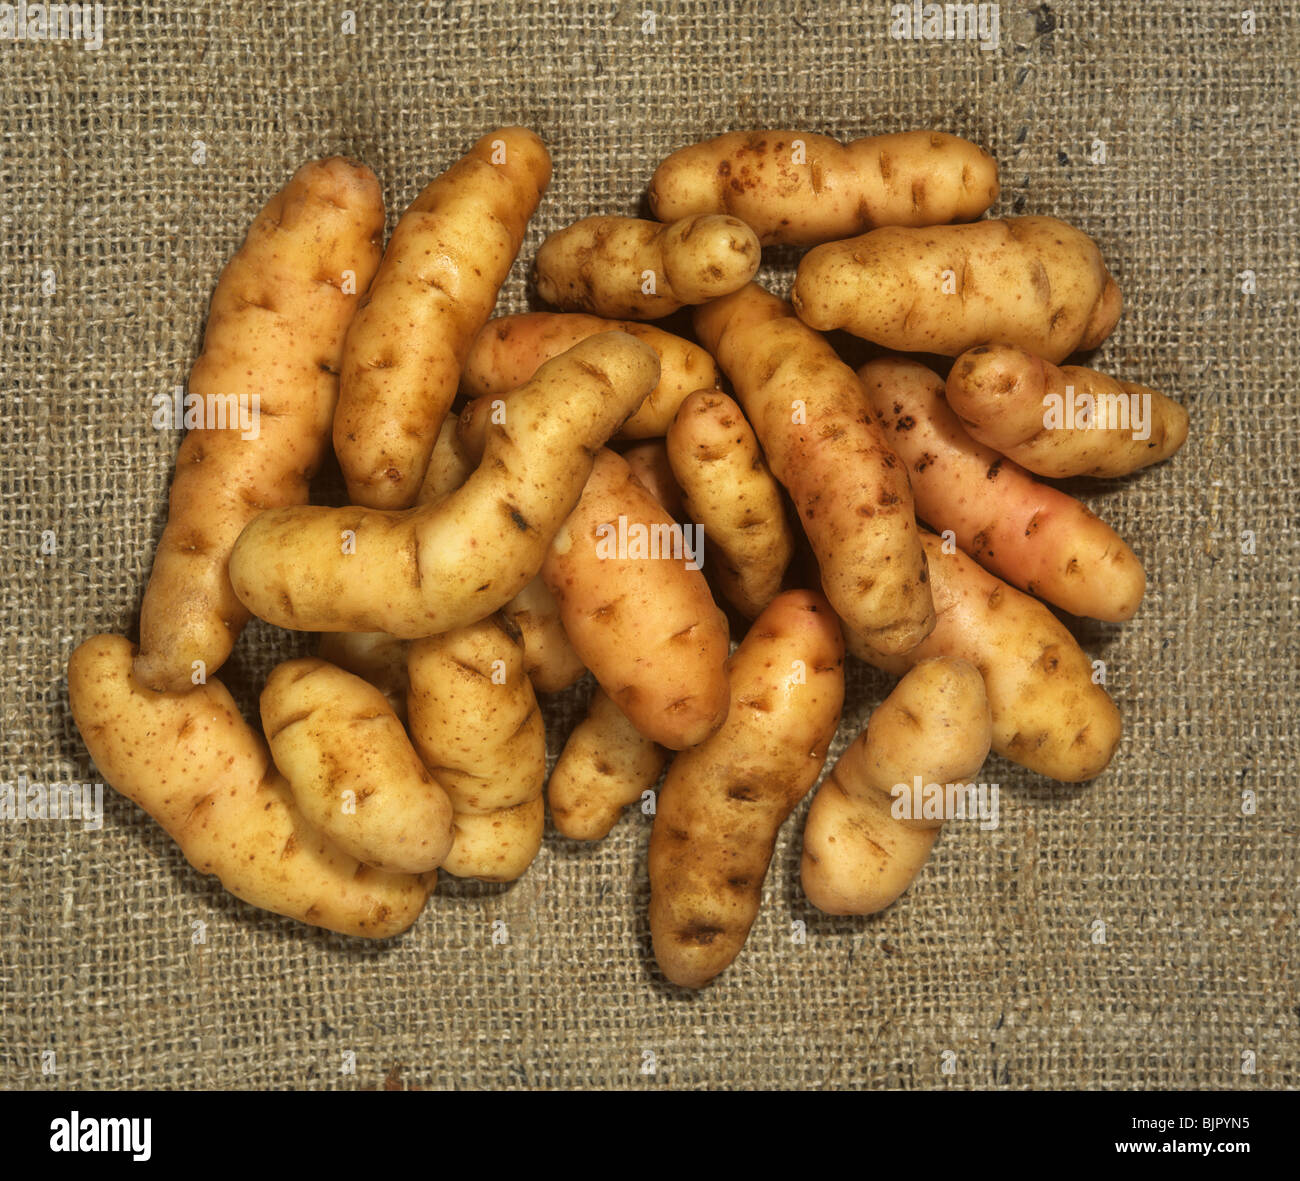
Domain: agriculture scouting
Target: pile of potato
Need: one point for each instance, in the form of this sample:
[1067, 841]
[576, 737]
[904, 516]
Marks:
[476, 568]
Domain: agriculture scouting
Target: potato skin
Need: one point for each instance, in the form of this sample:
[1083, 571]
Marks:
[1047, 713]
[509, 350]
[605, 765]
[445, 565]
[1029, 534]
[647, 627]
[723, 802]
[279, 312]
[195, 765]
[475, 722]
[436, 287]
[912, 178]
[850, 490]
[1030, 281]
[650, 464]
[373, 656]
[999, 392]
[857, 857]
[717, 462]
[602, 265]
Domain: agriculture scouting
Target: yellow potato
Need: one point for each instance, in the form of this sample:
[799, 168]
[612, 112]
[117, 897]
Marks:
[649, 463]
[730, 492]
[862, 844]
[801, 189]
[1029, 281]
[635, 611]
[475, 722]
[510, 349]
[1067, 421]
[195, 765]
[1030, 534]
[1048, 712]
[373, 656]
[436, 287]
[449, 466]
[448, 564]
[352, 769]
[624, 267]
[823, 443]
[605, 765]
[275, 333]
[724, 801]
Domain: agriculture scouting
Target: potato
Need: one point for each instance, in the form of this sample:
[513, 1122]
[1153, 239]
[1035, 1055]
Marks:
[1029, 281]
[733, 496]
[724, 801]
[801, 189]
[448, 564]
[475, 722]
[1067, 421]
[510, 349]
[351, 768]
[605, 765]
[650, 464]
[436, 287]
[635, 611]
[449, 466]
[1029, 534]
[376, 657]
[275, 333]
[195, 765]
[858, 854]
[1048, 713]
[818, 433]
[641, 270]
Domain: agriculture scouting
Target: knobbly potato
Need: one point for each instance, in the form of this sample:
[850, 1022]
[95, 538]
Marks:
[1030, 534]
[861, 849]
[475, 722]
[801, 189]
[436, 287]
[448, 564]
[732, 495]
[195, 765]
[1049, 713]
[275, 332]
[723, 802]
[623, 267]
[373, 656]
[1029, 281]
[605, 765]
[637, 613]
[650, 464]
[510, 349]
[1067, 421]
[352, 769]
[823, 443]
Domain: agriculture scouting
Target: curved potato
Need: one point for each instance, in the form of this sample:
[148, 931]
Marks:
[861, 850]
[280, 312]
[436, 287]
[510, 349]
[1017, 403]
[605, 765]
[623, 267]
[802, 189]
[195, 765]
[376, 657]
[352, 769]
[475, 722]
[823, 443]
[1029, 281]
[445, 565]
[730, 492]
[1030, 534]
[723, 802]
[637, 613]
[1048, 715]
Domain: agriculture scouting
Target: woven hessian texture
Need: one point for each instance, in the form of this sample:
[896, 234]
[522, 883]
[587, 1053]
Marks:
[1139, 931]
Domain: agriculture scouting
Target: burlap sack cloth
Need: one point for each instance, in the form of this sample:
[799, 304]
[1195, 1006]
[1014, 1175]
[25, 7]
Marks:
[1135, 932]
